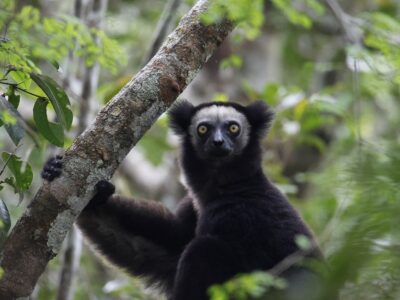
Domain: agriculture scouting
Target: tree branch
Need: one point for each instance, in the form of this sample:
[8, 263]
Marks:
[72, 254]
[38, 234]
[350, 25]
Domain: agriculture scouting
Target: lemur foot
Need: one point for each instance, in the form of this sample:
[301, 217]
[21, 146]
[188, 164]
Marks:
[53, 168]
[104, 189]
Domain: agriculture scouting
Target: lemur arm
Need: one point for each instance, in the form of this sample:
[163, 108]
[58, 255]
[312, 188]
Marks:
[148, 219]
[142, 237]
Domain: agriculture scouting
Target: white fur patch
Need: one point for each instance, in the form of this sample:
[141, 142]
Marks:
[215, 114]
[219, 113]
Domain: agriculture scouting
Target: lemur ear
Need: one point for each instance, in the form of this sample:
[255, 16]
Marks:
[180, 115]
[260, 117]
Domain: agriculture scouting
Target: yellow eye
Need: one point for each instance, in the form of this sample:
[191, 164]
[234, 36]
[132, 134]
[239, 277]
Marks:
[202, 129]
[234, 128]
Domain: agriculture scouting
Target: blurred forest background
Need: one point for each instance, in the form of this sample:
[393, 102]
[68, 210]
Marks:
[329, 69]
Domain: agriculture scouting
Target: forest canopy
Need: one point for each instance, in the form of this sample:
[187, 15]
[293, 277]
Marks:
[330, 70]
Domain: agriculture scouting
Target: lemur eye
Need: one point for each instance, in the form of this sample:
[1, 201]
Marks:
[202, 129]
[234, 128]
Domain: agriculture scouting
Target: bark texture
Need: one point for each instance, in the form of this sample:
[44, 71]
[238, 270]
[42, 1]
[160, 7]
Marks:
[95, 12]
[38, 234]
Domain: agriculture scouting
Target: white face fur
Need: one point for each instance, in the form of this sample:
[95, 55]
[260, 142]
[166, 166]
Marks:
[218, 119]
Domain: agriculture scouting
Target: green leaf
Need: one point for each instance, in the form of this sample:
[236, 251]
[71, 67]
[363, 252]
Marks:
[295, 16]
[22, 79]
[29, 16]
[57, 97]
[270, 93]
[8, 117]
[12, 97]
[316, 6]
[22, 172]
[155, 143]
[220, 97]
[5, 223]
[234, 61]
[55, 64]
[53, 132]
[303, 242]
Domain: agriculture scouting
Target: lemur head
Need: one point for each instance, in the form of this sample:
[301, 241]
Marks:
[220, 131]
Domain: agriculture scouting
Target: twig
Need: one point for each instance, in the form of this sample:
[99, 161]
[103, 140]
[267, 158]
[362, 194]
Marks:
[353, 33]
[162, 27]
[22, 90]
[8, 159]
[292, 259]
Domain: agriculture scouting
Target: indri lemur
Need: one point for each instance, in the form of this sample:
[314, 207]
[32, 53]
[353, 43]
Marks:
[234, 220]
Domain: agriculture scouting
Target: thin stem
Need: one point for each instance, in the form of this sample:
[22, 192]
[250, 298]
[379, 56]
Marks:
[22, 90]
[162, 28]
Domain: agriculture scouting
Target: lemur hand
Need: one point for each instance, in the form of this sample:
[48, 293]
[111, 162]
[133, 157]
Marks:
[52, 169]
[104, 189]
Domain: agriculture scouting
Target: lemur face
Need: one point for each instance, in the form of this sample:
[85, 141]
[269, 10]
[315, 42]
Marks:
[218, 132]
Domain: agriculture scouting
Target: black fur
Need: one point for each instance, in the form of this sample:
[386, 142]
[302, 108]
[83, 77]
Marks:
[245, 223]
[142, 237]
[180, 116]
[52, 168]
[241, 222]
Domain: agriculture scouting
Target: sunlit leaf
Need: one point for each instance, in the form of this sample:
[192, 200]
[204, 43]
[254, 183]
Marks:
[21, 171]
[8, 117]
[303, 242]
[5, 223]
[22, 79]
[57, 97]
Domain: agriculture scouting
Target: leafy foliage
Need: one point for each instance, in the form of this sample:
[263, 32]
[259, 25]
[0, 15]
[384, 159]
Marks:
[5, 224]
[30, 45]
[382, 36]
[22, 173]
[246, 286]
[298, 12]
[248, 14]
[57, 97]
[53, 132]
[31, 38]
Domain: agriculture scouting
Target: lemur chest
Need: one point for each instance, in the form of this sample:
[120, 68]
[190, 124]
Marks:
[232, 222]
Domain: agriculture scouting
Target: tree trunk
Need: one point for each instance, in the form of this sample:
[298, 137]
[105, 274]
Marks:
[95, 154]
[70, 267]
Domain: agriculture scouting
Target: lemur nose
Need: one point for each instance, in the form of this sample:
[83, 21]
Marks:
[218, 143]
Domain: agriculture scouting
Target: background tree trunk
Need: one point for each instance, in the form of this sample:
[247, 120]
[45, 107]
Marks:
[38, 234]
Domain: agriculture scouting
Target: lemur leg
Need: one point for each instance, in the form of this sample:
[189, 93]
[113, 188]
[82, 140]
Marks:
[205, 261]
